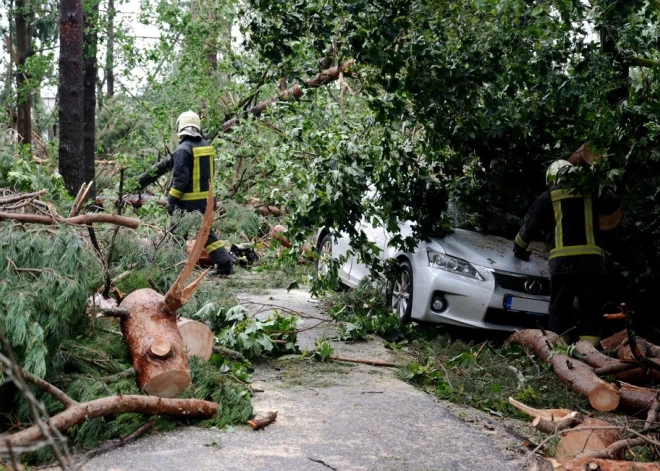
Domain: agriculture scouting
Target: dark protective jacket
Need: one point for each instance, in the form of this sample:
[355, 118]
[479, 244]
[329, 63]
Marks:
[193, 167]
[572, 217]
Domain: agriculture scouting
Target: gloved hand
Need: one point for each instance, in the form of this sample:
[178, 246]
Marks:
[171, 204]
[519, 252]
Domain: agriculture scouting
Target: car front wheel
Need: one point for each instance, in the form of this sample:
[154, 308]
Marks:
[401, 292]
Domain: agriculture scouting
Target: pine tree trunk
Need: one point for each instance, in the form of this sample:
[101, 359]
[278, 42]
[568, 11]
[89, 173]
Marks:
[23, 36]
[71, 118]
[90, 39]
[110, 51]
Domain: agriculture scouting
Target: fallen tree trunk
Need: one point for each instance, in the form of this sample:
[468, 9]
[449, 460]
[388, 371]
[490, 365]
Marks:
[582, 379]
[635, 398]
[82, 220]
[604, 365]
[575, 374]
[197, 338]
[295, 92]
[587, 438]
[589, 464]
[536, 341]
[147, 405]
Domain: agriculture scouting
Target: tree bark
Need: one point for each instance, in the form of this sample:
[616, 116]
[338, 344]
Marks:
[90, 41]
[23, 21]
[70, 90]
[635, 398]
[158, 352]
[613, 342]
[147, 405]
[110, 51]
[536, 341]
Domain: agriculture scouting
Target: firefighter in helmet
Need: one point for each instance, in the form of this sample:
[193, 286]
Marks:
[577, 261]
[192, 169]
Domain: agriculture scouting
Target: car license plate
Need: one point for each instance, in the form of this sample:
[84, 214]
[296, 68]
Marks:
[531, 306]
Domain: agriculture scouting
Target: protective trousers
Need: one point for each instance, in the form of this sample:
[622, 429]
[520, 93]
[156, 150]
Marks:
[563, 291]
[217, 253]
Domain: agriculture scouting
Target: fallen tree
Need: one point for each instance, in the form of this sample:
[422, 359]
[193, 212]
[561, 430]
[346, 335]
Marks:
[150, 328]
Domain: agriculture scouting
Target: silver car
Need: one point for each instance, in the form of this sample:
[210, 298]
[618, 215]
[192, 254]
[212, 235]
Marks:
[465, 278]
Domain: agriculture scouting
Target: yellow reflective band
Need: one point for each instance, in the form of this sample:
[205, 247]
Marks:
[573, 250]
[558, 195]
[559, 230]
[201, 195]
[204, 151]
[214, 246]
[176, 193]
[589, 221]
[198, 153]
[521, 242]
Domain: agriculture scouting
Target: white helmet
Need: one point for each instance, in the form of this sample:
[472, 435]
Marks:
[188, 124]
[555, 171]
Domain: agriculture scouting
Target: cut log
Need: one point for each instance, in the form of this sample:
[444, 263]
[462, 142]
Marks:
[586, 438]
[197, 338]
[592, 464]
[536, 341]
[605, 365]
[582, 379]
[148, 326]
[635, 398]
[147, 405]
[613, 342]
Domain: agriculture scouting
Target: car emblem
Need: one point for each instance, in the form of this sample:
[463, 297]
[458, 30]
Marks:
[533, 286]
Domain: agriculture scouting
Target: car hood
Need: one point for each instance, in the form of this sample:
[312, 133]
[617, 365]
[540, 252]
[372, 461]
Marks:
[494, 252]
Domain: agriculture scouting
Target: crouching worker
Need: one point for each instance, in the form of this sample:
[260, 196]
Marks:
[192, 168]
[577, 261]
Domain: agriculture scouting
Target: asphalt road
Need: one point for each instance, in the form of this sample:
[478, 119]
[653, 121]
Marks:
[330, 416]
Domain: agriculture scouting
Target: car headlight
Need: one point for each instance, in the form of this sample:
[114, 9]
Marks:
[453, 265]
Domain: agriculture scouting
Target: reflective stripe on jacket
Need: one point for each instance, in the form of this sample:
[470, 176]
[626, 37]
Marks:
[573, 221]
[193, 167]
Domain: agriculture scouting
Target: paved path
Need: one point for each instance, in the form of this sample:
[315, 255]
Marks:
[330, 416]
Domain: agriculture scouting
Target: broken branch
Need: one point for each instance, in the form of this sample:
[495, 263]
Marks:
[81, 220]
